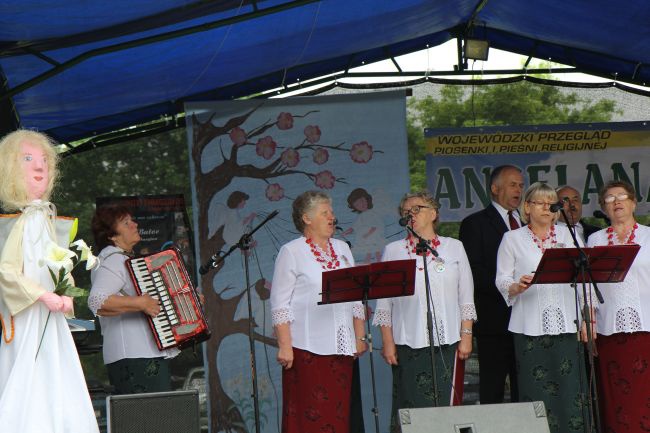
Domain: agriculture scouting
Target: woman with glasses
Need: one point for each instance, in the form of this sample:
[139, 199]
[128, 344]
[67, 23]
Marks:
[623, 320]
[550, 364]
[403, 320]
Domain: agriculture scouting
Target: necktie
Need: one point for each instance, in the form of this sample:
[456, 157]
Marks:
[513, 221]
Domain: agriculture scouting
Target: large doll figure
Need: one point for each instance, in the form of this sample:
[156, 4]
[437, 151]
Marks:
[41, 390]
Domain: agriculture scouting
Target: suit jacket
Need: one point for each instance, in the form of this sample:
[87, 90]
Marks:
[481, 234]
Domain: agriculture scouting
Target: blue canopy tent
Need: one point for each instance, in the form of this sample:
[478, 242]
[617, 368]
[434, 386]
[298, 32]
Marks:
[75, 69]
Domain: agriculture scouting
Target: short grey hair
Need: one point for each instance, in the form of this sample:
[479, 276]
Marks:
[305, 203]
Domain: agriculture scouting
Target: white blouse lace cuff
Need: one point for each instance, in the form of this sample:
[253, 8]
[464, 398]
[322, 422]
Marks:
[503, 287]
[468, 312]
[358, 312]
[382, 318]
[95, 302]
[282, 315]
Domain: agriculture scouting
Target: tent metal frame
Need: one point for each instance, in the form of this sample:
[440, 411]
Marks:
[317, 86]
[471, 28]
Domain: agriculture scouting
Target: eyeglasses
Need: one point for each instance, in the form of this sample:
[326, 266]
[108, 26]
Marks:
[414, 210]
[542, 204]
[611, 198]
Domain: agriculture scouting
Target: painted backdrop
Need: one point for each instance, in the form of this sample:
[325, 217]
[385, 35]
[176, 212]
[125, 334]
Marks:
[249, 158]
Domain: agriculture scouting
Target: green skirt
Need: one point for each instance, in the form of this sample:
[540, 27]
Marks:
[551, 368]
[412, 382]
[139, 375]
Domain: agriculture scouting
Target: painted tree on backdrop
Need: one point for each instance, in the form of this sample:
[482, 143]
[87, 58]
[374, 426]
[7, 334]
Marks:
[245, 142]
[521, 103]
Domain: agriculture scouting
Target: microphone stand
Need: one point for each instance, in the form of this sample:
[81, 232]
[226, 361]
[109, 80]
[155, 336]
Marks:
[216, 260]
[421, 249]
[582, 268]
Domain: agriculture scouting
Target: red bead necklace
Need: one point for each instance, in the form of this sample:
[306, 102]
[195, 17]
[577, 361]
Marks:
[411, 247]
[612, 239]
[328, 260]
[543, 244]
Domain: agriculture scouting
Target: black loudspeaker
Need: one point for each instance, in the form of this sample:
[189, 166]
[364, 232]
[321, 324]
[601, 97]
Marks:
[481, 418]
[156, 412]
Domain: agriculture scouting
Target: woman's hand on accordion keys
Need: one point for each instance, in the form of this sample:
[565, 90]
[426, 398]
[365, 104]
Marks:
[149, 305]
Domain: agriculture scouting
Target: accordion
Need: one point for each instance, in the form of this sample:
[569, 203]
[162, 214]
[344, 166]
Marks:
[163, 276]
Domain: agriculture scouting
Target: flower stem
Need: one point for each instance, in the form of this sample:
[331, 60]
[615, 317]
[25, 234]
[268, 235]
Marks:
[43, 334]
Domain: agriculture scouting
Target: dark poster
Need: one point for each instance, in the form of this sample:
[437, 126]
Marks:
[162, 223]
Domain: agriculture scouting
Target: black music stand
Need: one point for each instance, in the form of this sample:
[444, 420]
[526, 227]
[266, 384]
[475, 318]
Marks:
[603, 264]
[362, 283]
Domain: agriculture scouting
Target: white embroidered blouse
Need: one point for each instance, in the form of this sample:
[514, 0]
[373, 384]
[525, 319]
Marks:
[452, 295]
[543, 309]
[295, 294]
[627, 304]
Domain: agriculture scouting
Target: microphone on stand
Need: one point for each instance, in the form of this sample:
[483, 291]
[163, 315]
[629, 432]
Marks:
[220, 256]
[405, 220]
[559, 205]
[208, 265]
[601, 215]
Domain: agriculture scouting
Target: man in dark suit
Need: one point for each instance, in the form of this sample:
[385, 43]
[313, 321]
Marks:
[573, 208]
[481, 235]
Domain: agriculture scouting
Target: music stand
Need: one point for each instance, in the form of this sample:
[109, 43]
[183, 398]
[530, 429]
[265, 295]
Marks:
[607, 264]
[603, 264]
[362, 283]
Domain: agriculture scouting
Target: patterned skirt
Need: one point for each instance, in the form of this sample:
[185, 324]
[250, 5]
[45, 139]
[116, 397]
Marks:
[316, 393]
[551, 368]
[624, 378]
[138, 375]
[413, 384]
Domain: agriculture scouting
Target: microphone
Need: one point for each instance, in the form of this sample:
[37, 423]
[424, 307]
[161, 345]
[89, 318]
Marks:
[220, 256]
[405, 220]
[209, 264]
[559, 205]
[601, 215]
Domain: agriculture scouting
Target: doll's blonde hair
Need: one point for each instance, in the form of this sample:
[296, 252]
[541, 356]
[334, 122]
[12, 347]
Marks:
[13, 189]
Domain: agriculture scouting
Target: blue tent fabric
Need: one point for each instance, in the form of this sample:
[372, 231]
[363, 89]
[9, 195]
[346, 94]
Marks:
[121, 88]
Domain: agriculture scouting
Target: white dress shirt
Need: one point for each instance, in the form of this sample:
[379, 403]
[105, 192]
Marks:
[295, 293]
[627, 304]
[543, 309]
[452, 295]
[126, 335]
[580, 231]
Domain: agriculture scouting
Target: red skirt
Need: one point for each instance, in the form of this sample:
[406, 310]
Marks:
[316, 393]
[624, 373]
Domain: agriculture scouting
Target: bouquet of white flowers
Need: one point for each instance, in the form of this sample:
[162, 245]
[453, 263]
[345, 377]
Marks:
[60, 263]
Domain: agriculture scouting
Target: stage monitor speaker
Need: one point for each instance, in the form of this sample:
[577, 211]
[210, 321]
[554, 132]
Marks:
[155, 412]
[480, 418]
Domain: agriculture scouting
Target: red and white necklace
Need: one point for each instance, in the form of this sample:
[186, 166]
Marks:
[612, 238]
[549, 241]
[328, 259]
[411, 248]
